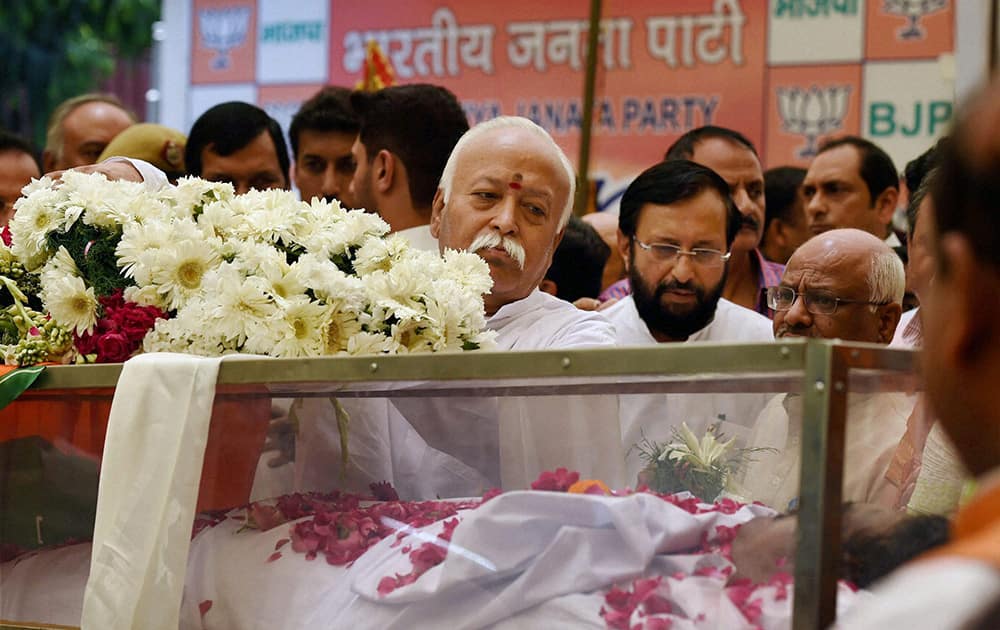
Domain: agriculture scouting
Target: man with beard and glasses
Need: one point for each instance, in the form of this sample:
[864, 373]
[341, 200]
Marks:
[676, 228]
[843, 284]
[731, 155]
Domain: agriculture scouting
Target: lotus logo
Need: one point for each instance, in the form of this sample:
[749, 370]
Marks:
[222, 30]
[913, 10]
[812, 112]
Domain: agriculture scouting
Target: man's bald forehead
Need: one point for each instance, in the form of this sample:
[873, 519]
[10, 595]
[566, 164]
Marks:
[845, 241]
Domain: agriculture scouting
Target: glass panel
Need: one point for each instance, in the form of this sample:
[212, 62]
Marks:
[454, 434]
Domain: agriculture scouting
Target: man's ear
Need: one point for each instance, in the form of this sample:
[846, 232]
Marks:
[775, 233]
[885, 204]
[48, 161]
[624, 246]
[437, 208]
[384, 170]
[888, 319]
[548, 286]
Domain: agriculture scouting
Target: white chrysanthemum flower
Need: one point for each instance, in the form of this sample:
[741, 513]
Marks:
[468, 269]
[288, 285]
[295, 331]
[138, 240]
[184, 266]
[240, 305]
[105, 204]
[34, 219]
[380, 254]
[253, 257]
[330, 283]
[70, 302]
[341, 326]
[59, 266]
[363, 343]
[146, 295]
[224, 219]
[273, 215]
[193, 193]
[413, 335]
[349, 232]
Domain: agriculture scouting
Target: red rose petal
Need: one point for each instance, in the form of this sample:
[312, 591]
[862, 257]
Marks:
[204, 607]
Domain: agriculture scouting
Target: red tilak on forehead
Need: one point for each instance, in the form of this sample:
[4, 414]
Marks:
[514, 185]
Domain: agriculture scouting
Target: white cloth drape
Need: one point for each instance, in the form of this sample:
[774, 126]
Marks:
[150, 473]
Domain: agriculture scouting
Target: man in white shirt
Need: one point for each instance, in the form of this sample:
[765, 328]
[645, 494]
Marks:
[842, 284]
[852, 183]
[677, 224]
[506, 193]
[407, 133]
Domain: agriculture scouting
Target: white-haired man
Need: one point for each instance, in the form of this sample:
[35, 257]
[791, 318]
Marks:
[842, 284]
[506, 193]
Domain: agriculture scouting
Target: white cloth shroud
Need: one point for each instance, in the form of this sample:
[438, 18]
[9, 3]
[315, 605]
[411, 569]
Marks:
[521, 549]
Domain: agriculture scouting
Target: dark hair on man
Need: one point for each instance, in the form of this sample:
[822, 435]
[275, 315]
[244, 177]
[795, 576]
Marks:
[227, 128]
[781, 189]
[918, 168]
[671, 181]
[16, 144]
[966, 194]
[917, 199]
[877, 169]
[325, 111]
[683, 148]
[419, 124]
[578, 263]
[870, 557]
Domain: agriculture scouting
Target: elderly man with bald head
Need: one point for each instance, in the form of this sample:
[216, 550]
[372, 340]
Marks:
[843, 284]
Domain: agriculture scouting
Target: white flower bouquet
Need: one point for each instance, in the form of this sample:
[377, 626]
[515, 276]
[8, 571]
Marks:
[197, 269]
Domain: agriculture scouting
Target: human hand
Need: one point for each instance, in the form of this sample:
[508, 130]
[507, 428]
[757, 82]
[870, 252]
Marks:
[115, 170]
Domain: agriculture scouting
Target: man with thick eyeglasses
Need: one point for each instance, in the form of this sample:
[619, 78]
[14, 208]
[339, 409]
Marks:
[842, 284]
[676, 227]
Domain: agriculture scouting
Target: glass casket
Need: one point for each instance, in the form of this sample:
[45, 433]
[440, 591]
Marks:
[187, 516]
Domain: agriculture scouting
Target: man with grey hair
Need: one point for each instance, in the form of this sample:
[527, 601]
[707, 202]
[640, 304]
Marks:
[80, 128]
[843, 284]
[506, 194]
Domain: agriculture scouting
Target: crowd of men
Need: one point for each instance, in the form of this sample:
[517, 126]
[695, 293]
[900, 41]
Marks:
[706, 246]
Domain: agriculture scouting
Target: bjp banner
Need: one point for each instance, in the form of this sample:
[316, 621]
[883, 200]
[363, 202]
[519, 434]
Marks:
[662, 68]
[788, 74]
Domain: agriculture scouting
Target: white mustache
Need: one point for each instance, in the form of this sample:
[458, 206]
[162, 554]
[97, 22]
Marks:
[489, 239]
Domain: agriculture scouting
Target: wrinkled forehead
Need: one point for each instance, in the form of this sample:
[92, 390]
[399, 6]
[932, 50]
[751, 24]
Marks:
[828, 264]
[516, 156]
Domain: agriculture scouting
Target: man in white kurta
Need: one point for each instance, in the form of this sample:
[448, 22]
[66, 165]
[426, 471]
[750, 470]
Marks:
[506, 193]
[843, 284]
[676, 225]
